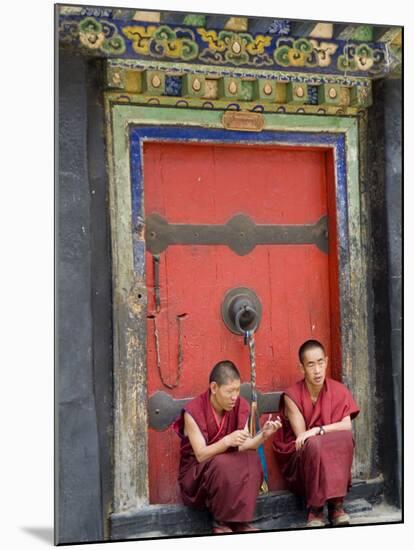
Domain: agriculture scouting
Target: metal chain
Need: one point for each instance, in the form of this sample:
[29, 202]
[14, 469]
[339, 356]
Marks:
[252, 352]
[264, 488]
[180, 354]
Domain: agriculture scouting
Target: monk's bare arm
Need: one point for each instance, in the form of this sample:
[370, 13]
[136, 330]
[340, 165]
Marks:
[203, 451]
[298, 423]
[294, 416]
[299, 426]
[344, 424]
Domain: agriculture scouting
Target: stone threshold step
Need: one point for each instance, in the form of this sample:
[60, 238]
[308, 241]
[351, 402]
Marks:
[280, 507]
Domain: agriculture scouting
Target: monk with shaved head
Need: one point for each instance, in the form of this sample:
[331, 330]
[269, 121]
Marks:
[219, 467]
[315, 447]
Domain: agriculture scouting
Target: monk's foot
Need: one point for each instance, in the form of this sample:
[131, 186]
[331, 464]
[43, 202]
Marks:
[243, 527]
[315, 517]
[336, 513]
[220, 527]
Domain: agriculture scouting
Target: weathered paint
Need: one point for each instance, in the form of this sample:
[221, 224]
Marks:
[209, 104]
[130, 474]
[111, 37]
[181, 68]
[187, 85]
[130, 424]
[148, 16]
[322, 30]
[237, 24]
[185, 183]
[186, 134]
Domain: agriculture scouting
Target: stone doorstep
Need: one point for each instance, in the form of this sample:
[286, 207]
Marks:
[280, 509]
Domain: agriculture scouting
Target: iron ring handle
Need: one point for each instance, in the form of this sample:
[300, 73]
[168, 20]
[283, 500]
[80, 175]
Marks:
[240, 313]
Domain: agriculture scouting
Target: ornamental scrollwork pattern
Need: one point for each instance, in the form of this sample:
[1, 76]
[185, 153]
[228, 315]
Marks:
[302, 52]
[235, 48]
[100, 35]
[107, 36]
[162, 41]
[361, 57]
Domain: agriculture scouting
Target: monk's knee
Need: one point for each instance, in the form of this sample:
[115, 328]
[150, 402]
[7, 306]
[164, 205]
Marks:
[253, 455]
[342, 438]
[234, 465]
[219, 460]
[313, 445]
[345, 440]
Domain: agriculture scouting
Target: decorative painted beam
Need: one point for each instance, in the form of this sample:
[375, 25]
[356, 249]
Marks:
[397, 40]
[211, 89]
[353, 32]
[339, 29]
[322, 30]
[302, 28]
[364, 33]
[216, 21]
[268, 25]
[171, 18]
[238, 24]
[195, 20]
[386, 34]
[395, 60]
[119, 38]
[147, 16]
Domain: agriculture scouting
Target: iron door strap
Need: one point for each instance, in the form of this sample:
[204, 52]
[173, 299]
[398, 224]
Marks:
[164, 409]
[240, 233]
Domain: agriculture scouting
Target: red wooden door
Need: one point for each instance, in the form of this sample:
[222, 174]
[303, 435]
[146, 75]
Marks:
[297, 284]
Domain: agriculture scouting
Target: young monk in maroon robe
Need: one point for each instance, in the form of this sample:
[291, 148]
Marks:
[315, 447]
[219, 467]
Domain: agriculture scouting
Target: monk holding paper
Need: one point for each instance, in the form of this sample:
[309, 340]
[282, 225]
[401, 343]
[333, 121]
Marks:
[219, 466]
[315, 447]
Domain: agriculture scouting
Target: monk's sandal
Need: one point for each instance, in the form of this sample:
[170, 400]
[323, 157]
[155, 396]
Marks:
[315, 517]
[243, 527]
[336, 513]
[220, 527]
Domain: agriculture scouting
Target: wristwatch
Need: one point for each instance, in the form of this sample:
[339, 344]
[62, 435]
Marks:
[321, 430]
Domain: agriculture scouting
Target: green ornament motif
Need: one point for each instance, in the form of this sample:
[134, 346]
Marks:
[295, 53]
[176, 44]
[103, 36]
[163, 41]
[346, 64]
[114, 45]
[235, 48]
[89, 24]
[357, 58]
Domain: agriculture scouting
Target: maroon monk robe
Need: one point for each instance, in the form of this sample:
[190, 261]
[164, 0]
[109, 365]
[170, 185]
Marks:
[321, 469]
[228, 483]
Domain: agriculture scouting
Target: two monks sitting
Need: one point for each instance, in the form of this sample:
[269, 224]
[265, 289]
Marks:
[220, 469]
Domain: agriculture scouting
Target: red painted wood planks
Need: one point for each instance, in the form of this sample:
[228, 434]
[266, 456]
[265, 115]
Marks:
[208, 184]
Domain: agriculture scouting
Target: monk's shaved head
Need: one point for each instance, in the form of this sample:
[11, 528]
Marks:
[306, 346]
[224, 372]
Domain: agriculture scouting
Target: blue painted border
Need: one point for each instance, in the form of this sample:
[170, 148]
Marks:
[68, 33]
[140, 134]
